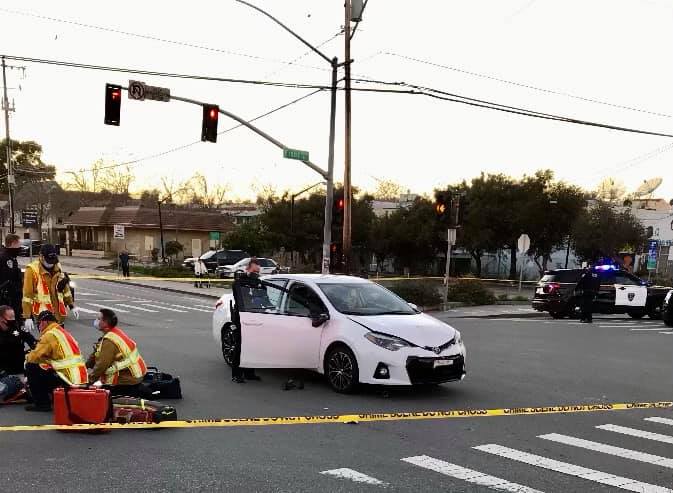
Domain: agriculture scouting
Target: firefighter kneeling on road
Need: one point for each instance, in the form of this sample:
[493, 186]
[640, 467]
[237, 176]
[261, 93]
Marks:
[116, 361]
[56, 361]
[45, 289]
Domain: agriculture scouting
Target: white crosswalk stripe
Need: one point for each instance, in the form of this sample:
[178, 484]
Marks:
[190, 308]
[353, 475]
[86, 310]
[137, 308]
[610, 450]
[98, 305]
[663, 421]
[468, 475]
[572, 470]
[164, 308]
[648, 435]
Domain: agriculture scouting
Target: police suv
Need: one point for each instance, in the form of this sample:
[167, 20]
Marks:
[620, 292]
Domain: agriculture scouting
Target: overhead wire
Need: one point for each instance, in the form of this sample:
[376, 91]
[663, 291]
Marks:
[520, 84]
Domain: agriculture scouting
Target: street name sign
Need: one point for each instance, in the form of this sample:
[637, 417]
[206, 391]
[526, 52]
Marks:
[652, 246]
[140, 91]
[295, 154]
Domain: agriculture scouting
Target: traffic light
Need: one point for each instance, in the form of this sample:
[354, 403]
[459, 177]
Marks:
[336, 256]
[211, 113]
[113, 104]
[462, 210]
[338, 209]
[443, 205]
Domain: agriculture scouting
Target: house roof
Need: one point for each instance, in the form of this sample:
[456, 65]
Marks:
[147, 218]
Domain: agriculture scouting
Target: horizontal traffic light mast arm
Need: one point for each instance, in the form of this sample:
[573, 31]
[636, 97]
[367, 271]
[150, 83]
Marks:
[249, 125]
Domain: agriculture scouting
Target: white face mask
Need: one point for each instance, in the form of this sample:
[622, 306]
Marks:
[96, 324]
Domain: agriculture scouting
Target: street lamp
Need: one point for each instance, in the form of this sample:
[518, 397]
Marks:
[334, 63]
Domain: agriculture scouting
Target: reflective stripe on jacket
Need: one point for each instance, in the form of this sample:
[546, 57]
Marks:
[40, 291]
[70, 368]
[128, 357]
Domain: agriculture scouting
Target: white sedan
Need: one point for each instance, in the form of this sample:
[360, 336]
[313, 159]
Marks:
[266, 266]
[349, 329]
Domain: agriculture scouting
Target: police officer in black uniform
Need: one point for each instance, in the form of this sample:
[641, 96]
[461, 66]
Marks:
[13, 342]
[11, 282]
[242, 283]
[587, 288]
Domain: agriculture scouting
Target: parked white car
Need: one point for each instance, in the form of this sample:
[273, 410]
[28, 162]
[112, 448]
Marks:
[267, 266]
[349, 329]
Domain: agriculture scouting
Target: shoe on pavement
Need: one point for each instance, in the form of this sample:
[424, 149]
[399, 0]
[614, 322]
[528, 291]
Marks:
[238, 379]
[38, 409]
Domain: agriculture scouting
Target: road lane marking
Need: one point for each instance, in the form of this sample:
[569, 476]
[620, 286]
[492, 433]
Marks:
[663, 421]
[164, 308]
[98, 305]
[624, 430]
[468, 475]
[648, 329]
[190, 308]
[353, 475]
[356, 418]
[137, 308]
[86, 310]
[624, 453]
[572, 470]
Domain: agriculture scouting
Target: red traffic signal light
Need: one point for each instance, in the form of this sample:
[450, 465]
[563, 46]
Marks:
[113, 104]
[340, 203]
[211, 113]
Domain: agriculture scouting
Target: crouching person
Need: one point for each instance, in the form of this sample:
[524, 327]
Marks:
[56, 361]
[116, 361]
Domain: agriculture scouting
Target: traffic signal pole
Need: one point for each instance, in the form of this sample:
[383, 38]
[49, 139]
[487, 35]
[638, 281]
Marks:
[10, 175]
[348, 192]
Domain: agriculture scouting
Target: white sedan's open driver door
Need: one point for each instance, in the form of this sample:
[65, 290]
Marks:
[257, 307]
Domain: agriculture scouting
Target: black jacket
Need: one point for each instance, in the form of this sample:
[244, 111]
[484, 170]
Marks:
[11, 282]
[12, 349]
[589, 283]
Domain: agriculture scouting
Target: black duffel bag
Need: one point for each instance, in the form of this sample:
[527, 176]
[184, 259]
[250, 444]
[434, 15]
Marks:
[160, 385]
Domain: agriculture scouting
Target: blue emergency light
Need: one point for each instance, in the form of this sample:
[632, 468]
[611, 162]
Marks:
[606, 267]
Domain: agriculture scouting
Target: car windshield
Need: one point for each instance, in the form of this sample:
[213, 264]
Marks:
[365, 299]
[208, 254]
[568, 276]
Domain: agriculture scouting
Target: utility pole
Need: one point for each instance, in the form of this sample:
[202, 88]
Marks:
[161, 232]
[10, 175]
[348, 192]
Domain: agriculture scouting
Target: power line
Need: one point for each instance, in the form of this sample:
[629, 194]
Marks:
[295, 60]
[185, 146]
[148, 37]
[520, 84]
[635, 161]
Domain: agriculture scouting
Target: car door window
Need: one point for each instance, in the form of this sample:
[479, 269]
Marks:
[302, 301]
[625, 279]
[264, 298]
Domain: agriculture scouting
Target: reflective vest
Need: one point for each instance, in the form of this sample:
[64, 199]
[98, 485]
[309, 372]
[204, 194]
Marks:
[71, 368]
[129, 357]
[41, 300]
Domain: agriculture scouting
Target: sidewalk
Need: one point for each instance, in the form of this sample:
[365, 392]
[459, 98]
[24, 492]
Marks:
[100, 267]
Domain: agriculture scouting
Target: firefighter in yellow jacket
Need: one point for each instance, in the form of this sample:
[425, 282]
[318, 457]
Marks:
[45, 289]
[56, 361]
[116, 361]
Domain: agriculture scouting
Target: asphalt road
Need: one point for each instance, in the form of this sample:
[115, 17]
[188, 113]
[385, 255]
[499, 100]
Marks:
[511, 363]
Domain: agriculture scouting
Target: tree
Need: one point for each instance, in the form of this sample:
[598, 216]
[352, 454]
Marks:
[27, 163]
[149, 198]
[611, 190]
[197, 191]
[37, 196]
[86, 181]
[173, 248]
[549, 210]
[388, 190]
[251, 237]
[601, 231]
[117, 179]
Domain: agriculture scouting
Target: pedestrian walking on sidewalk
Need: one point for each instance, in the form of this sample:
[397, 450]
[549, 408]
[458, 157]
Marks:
[124, 259]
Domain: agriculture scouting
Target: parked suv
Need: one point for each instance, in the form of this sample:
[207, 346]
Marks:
[216, 258]
[620, 292]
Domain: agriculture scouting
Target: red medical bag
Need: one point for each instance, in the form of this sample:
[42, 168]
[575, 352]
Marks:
[81, 406]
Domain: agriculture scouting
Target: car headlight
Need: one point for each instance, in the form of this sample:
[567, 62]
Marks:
[458, 338]
[391, 343]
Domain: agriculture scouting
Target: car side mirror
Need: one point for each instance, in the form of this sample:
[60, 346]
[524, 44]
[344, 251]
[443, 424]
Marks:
[414, 307]
[319, 319]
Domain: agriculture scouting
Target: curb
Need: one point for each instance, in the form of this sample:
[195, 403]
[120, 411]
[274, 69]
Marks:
[161, 288]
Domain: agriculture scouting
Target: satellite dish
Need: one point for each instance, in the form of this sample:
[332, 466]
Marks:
[648, 187]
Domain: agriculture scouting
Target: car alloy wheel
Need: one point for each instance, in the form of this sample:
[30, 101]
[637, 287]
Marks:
[228, 344]
[342, 370]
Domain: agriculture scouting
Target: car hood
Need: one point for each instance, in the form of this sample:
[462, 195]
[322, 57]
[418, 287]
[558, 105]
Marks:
[420, 329]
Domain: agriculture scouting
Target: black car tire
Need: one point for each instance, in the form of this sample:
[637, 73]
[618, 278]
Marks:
[637, 314]
[341, 369]
[654, 313]
[557, 315]
[668, 319]
[228, 342]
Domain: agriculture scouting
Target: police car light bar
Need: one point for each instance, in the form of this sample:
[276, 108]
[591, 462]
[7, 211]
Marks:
[606, 267]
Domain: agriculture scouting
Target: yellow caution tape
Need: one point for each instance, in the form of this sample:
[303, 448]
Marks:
[352, 418]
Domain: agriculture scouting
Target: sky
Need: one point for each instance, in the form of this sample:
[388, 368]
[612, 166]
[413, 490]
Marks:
[586, 60]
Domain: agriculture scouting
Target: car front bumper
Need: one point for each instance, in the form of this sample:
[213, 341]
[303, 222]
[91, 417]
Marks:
[412, 366]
